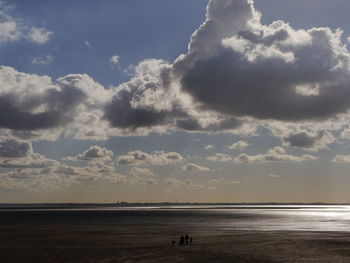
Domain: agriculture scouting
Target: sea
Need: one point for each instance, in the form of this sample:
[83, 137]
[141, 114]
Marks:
[198, 217]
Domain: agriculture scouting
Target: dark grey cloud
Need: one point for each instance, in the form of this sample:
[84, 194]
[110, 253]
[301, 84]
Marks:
[313, 141]
[142, 102]
[190, 124]
[237, 66]
[16, 153]
[121, 114]
[20, 116]
[302, 140]
[13, 148]
[151, 98]
[267, 87]
[34, 103]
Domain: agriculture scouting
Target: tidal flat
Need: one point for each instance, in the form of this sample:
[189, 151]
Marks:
[231, 234]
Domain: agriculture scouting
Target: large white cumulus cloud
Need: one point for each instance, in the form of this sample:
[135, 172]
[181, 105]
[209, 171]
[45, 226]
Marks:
[238, 66]
[238, 73]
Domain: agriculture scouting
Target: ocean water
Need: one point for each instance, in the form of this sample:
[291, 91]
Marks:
[292, 218]
[199, 218]
[277, 218]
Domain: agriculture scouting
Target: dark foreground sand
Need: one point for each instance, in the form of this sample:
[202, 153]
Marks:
[105, 237]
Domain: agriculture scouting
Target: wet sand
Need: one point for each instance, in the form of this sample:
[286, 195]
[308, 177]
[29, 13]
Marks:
[100, 236]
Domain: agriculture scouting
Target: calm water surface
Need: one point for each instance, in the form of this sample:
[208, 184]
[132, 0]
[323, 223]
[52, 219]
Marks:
[225, 218]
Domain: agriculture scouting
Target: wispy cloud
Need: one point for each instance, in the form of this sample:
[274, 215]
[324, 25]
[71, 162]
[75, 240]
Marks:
[42, 60]
[276, 154]
[39, 35]
[114, 61]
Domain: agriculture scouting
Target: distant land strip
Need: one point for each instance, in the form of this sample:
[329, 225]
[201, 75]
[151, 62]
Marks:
[171, 205]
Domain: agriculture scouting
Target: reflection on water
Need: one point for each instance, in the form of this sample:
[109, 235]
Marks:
[280, 218]
[311, 218]
[214, 217]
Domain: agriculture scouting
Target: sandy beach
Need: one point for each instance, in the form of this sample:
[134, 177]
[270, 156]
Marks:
[146, 237]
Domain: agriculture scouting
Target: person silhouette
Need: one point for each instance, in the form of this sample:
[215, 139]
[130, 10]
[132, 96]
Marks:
[190, 240]
[186, 239]
[173, 242]
[182, 241]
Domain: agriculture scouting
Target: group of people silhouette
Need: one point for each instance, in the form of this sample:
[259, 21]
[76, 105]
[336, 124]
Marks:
[184, 240]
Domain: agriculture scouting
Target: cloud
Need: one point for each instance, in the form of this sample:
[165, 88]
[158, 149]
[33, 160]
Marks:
[117, 179]
[13, 148]
[114, 60]
[220, 157]
[140, 102]
[158, 158]
[9, 32]
[93, 153]
[240, 145]
[236, 75]
[276, 154]
[16, 153]
[42, 60]
[39, 35]
[214, 182]
[238, 71]
[189, 183]
[150, 181]
[29, 171]
[37, 103]
[312, 141]
[209, 123]
[209, 147]
[173, 182]
[152, 101]
[237, 66]
[345, 134]
[13, 28]
[274, 176]
[142, 172]
[87, 44]
[195, 167]
[33, 179]
[60, 177]
[34, 102]
[66, 170]
[341, 159]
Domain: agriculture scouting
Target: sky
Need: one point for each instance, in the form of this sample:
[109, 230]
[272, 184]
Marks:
[174, 101]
